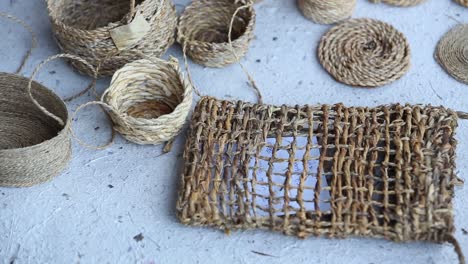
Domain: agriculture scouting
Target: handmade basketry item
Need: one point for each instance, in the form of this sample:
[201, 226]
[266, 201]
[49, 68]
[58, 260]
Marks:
[384, 172]
[462, 2]
[400, 2]
[364, 52]
[35, 143]
[148, 100]
[452, 53]
[83, 28]
[327, 12]
[204, 31]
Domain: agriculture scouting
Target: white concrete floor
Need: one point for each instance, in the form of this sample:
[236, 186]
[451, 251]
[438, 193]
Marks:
[95, 211]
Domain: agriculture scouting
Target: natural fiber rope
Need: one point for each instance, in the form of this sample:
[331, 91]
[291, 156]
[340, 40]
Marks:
[462, 2]
[83, 27]
[365, 52]
[403, 3]
[327, 12]
[452, 52]
[325, 170]
[33, 38]
[203, 30]
[148, 100]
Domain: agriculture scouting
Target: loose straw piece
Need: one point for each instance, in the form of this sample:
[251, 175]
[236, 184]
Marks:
[327, 12]
[452, 52]
[403, 3]
[365, 53]
[33, 38]
[83, 28]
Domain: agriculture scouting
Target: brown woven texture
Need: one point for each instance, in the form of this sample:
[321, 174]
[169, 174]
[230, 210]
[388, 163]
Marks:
[81, 28]
[462, 2]
[452, 53]
[203, 31]
[326, 170]
[327, 12]
[401, 2]
[365, 52]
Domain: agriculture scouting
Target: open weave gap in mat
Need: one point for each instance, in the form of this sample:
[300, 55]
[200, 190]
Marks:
[336, 171]
[400, 2]
[327, 12]
[452, 53]
[83, 28]
[364, 52]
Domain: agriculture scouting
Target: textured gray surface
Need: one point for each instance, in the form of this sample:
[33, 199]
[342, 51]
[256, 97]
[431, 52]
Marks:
[94, 211]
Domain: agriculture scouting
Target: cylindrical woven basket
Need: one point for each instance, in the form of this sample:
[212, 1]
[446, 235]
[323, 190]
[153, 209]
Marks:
[82, 28]
[148, 100]
[403, 3]
[34, 147]
[203, 31]
[327, 12]
[462, 2]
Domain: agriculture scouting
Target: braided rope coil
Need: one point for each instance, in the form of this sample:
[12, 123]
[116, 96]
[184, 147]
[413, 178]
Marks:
[149, 100]
[452, 53]
[83, 28]
[203, 31]
[327, 12]
[403, 3]
[365, 53]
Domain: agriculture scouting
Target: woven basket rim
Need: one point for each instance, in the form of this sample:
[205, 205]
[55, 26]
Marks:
[63, 131]
[187, 87]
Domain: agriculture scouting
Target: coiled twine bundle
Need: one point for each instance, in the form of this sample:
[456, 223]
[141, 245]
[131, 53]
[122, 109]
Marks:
[204, 31]
[452, 53]
[327, 12]
[83, 28]
[33, 146]
[462, 2]
[400, 2]
[148, 100]
[364, 52]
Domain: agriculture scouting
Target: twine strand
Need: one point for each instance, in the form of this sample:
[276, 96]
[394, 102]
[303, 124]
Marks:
[33, 39]
[452, 240]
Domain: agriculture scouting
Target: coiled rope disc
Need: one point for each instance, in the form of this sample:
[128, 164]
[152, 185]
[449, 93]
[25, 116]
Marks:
[365, 52]
[463, 2]
[401, 2]
[452, 53]
[327, 12]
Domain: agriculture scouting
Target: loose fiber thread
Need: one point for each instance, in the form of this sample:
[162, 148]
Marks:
[452, 52]
[203, 31]
[327, 12]
[148, 100]
[83, 28]
[403, 3]
[364, 52]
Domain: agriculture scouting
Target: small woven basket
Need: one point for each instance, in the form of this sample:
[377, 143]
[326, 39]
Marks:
[327, 170]
[148, 100]
[203, 31]
[327, 12]
[83, 28]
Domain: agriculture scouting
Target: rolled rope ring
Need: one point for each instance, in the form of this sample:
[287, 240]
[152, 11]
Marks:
[365, 53]
[403, 3]
[327, 12]
[204, 31]
[452, 53]
[83, 28]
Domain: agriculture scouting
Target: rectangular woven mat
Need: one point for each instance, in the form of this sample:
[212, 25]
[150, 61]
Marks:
[384, 172]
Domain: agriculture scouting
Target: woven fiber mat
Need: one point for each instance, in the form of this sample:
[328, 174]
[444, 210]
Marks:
[384, 172]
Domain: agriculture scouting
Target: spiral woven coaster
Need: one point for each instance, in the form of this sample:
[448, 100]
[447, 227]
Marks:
[401, 2]
[452, 53]
[327, 12]
[328, 170]
[365, 52]
[204, 28]
[462, 2]
[83, 28]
